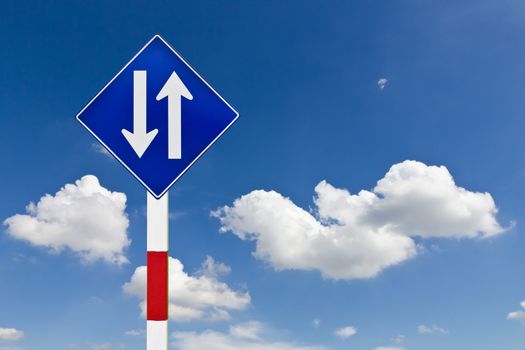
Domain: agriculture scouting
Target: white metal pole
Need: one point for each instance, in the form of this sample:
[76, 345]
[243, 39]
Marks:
[157, 280]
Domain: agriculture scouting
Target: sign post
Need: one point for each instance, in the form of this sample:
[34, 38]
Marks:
[157, 271]
[157, 116]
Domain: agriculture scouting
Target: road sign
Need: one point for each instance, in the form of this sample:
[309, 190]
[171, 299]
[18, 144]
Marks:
[157, 116]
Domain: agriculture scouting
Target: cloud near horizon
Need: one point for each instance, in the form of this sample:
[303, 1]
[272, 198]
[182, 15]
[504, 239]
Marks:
[244, 336]
[84, 217]
[11, 334]
[350, 236]
[197, 297]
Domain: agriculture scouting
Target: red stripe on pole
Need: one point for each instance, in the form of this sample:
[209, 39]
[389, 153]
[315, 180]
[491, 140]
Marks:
[157, 293]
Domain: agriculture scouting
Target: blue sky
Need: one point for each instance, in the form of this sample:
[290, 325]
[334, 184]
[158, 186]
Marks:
[304, 77]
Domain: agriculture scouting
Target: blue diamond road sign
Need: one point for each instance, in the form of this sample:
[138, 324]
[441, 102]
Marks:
[157, 116]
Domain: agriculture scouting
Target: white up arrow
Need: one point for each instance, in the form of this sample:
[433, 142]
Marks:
[139, 139]
[174, 89]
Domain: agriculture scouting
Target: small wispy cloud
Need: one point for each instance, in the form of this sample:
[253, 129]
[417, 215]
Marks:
[345, 332]
[399, 339]
[316, 323]
[103, 346]
[96, 300]
[422, 329]
[23, 258]
[518, 315]
[98, 148]
[176, 215]
[135, 332]
[381, 83]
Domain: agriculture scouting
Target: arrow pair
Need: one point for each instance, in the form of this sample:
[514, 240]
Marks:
[174, 89]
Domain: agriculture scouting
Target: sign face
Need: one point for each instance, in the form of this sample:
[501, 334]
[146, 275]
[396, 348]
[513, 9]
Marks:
[157, 116]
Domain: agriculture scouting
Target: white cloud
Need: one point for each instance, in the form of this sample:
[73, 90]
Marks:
[389, 348]
[346, 332]
[219, 315]
[517, 315]
[213, 269]
[12, 334]
[248, 330]
[98, 148]
[241, 337]
[135, 332]
[399, 339]
[23, 258]
[104, 346]
[96, 300]
[422, 329]
[316, 323]
[177, 215]
[84, 217]
[202, 296]
[357, 236]
[381, 83]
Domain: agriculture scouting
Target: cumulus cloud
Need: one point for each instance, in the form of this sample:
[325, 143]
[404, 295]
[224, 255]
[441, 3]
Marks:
[84, 217]
[517, 315]
[381, 83]
[246, 336]
[201, 296]
[422, 329]
[346, 332]
[11, 334]
[351, 236]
